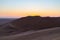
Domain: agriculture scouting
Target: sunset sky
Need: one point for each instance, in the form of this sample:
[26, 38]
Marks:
[20, 8]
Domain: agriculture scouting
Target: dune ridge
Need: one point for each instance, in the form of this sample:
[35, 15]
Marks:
[28, 23]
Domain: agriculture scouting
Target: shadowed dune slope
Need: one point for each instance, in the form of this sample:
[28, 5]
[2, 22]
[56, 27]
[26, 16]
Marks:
[29, 23]
[45, 34]
[36, 22]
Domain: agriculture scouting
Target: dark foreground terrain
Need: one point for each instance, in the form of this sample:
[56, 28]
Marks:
[16, 29]
[45, 34]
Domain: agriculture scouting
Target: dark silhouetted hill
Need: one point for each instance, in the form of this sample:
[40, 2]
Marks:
[36, 23]
[29, 23]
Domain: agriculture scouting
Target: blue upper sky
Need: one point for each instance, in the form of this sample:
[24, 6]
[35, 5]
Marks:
[29, 5]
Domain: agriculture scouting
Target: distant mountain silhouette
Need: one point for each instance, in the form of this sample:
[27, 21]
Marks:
[6, 20]
[31, 23]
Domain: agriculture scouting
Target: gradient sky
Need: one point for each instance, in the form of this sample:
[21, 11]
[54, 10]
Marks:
[20, 8]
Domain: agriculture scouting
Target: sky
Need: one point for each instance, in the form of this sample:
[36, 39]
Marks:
[21, 8]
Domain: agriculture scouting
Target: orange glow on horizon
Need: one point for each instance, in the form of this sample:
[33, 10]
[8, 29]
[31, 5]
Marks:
[14, 13]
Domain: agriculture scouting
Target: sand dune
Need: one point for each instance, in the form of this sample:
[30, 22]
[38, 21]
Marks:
[46, 34]
[31, 28]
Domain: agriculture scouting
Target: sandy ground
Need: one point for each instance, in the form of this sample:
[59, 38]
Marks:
[46, 34]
